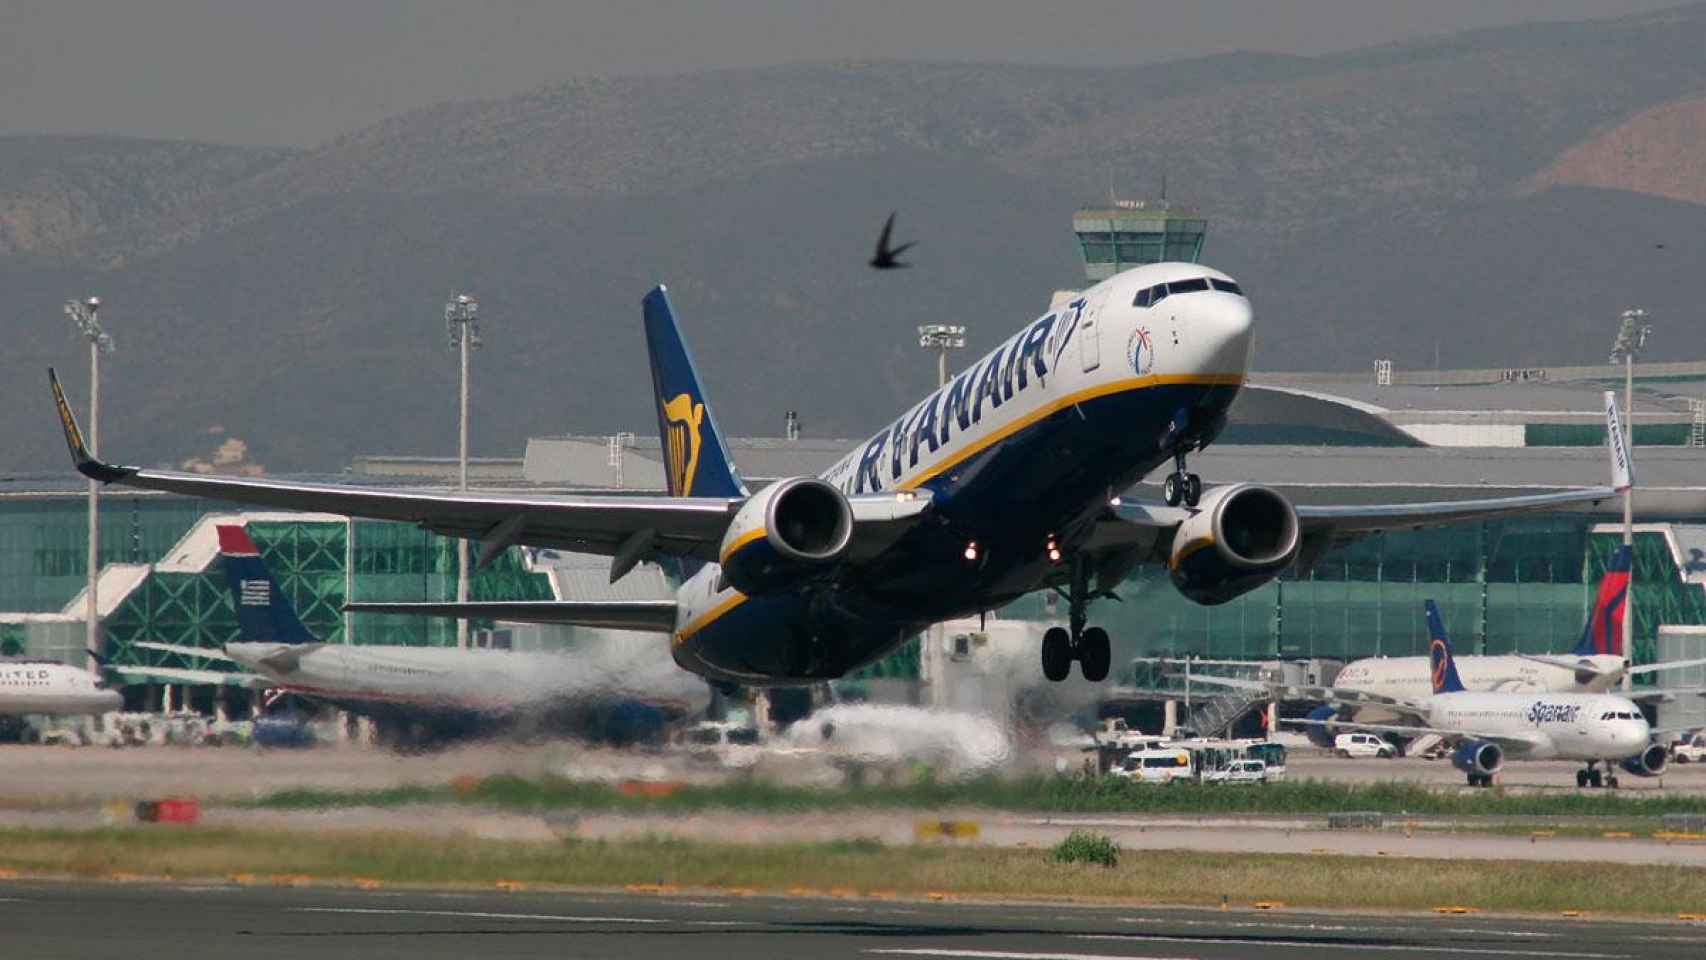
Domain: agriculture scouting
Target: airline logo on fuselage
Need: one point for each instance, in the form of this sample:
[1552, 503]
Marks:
[994, 380]
[1140, 352]
[1553, 713]
[681, 442]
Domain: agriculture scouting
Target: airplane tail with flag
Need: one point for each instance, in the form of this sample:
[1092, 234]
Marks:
[696, 461]
[264, 613]
[1440, 660]
[1604, 631]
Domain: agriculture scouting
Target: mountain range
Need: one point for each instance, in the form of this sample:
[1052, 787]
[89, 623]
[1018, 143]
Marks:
[1495, 196]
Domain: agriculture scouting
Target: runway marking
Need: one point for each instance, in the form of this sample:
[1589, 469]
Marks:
[1012, 955]
[493, 915]
[1336, 927]
[1330, 945]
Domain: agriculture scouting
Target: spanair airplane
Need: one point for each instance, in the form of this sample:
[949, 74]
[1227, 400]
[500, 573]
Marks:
[1005, 481]
[52, 688]
[1488, 727]
[626, 692]
[1595, 665]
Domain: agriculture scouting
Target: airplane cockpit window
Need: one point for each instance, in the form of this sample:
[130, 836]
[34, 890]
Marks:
[1192, 285]
[1150, 296]
[1225, 285]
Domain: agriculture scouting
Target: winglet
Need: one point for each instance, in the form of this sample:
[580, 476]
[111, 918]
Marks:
[85, 462]
[1618, 443]
[1445, 678]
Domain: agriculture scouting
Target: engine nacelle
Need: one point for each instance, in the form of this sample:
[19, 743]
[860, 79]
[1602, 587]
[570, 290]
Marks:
[1320, 734]
[1239, 538]
[784, 533]
[1478, 756]
[1650, 762]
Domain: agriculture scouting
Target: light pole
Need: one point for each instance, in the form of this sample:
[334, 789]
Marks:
[462, 325]
[1632, 333]
[941, 337]
[84, 315]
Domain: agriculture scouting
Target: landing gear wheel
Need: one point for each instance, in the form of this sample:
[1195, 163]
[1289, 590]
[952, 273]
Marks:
[1171, 490]
[1193, 489]
[1595, 780]
[1611, 780]
[1581, 778]
[1057, 654]
[1094, 654]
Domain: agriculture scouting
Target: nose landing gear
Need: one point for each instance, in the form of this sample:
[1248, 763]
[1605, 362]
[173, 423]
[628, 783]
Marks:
[1591, 777]
[1181, 486]
[1090, 646]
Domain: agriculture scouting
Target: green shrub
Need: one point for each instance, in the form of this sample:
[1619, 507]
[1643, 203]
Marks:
[1082, 846]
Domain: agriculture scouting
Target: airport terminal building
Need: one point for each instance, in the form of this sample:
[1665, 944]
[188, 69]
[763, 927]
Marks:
[1389, 435]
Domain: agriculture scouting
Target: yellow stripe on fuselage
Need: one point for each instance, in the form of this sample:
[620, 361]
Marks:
[741, 541]
[1089, 393]
[705, 619]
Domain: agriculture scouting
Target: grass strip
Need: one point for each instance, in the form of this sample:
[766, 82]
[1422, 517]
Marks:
[1075, 794]
[866, 865]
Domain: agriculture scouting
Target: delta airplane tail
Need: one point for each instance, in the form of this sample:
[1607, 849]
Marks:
[696, 463]
[1444, 667]
[1604, 631]
[264, 613]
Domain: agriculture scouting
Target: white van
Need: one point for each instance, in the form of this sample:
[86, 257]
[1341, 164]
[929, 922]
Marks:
[1689, 749]
[1156, 766]
[1239, 771]
[1363, 745]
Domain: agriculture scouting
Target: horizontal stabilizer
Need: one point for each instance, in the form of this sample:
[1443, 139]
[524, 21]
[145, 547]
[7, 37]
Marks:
[655, 616]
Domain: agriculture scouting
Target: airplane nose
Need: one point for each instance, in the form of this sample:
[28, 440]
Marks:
[1228, 330]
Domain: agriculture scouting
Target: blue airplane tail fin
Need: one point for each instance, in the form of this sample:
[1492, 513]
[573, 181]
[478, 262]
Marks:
[1604, 632]
[1445, 678]
[264, 613]
[696, 461]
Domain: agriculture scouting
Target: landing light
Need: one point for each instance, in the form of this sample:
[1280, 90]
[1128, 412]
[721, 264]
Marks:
[1113, 501]
[971, 550]
[1053, 550]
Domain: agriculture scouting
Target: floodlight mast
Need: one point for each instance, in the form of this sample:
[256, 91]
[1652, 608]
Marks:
[84, 315]
[1632, 332]
[462, 326]
[941, 337]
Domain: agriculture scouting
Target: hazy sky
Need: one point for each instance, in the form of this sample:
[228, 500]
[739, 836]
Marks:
[303, 71]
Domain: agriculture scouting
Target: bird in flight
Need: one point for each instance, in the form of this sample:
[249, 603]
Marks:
[885, 257]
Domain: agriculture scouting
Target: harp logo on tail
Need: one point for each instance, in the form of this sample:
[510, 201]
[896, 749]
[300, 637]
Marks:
[681, 442]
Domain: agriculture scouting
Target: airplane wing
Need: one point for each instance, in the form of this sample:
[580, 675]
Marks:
[181, 675]
[1514, 744]
[185, 650]
[629, 528]
[653, 616]
[1664, 695]
[1281, 691]
[1668, 665]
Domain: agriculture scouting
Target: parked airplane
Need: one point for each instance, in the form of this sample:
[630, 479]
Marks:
[1004, 481]
[52, 688]
[1488, 727]
[1595, 665]
[615, 690]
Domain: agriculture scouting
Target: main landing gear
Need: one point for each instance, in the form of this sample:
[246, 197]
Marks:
[1591, 776]
[1181, 486]
[1088, 645]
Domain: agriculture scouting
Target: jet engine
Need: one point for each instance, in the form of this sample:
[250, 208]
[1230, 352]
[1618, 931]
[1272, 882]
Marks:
[784, 533]
[1478, 758]
[1239, 538]
[1319, 734]
[1649, 762]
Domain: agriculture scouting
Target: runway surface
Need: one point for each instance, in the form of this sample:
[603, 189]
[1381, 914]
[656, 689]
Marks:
[94, 921]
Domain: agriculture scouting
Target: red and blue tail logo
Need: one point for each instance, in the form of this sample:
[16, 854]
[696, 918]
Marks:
[1444, 668]
[1604, 632]
[264, 613]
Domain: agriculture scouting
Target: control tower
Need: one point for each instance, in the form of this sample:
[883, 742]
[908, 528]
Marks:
[1130, 233]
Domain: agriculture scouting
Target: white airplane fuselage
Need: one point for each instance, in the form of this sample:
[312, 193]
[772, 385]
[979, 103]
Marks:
[494, 682]
[52, 688]
[1408, 678]
[1027, 444]
[1564, 726]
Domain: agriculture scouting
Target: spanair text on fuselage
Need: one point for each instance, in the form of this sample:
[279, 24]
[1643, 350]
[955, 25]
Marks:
[1025, 445]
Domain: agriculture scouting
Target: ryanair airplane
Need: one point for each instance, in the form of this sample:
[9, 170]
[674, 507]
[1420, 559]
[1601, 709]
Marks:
[1005, 481]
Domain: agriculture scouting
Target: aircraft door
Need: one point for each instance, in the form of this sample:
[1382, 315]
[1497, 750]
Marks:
[1089, 333]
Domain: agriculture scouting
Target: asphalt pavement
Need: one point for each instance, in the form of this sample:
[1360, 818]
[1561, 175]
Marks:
[90, 921]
